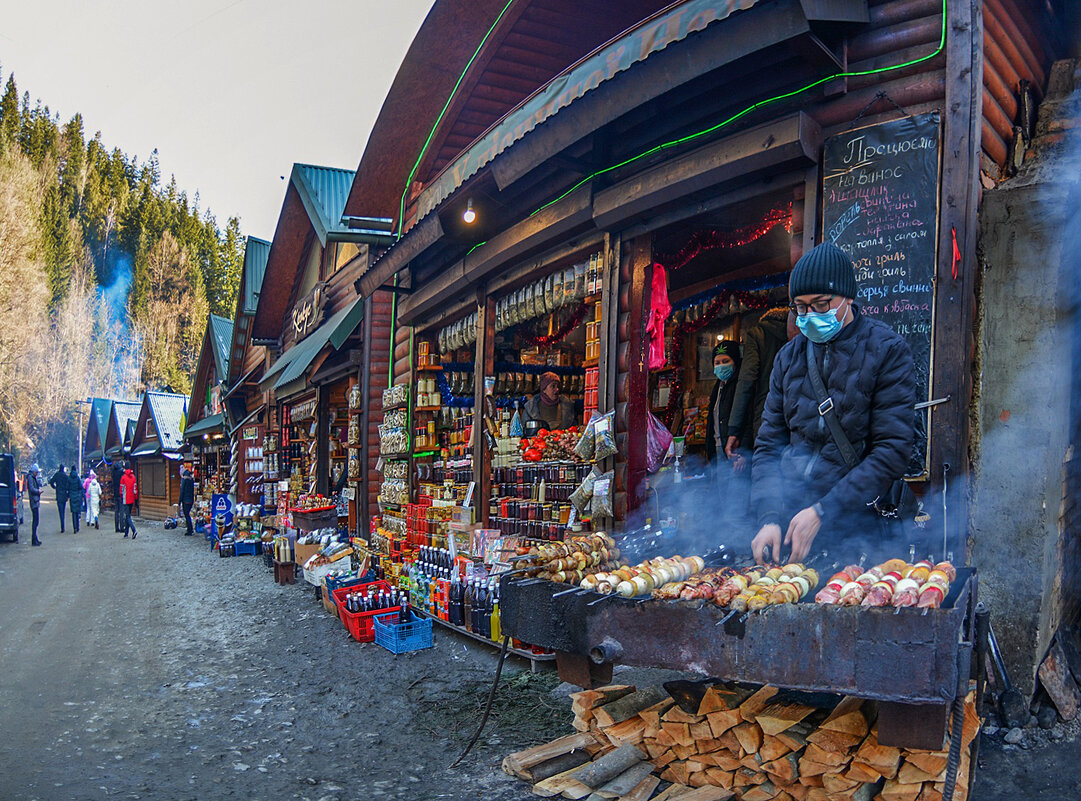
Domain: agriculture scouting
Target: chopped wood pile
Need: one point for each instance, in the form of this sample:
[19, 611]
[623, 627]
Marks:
[752, 745]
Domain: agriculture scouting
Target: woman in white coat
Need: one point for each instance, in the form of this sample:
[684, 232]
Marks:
[93, 499]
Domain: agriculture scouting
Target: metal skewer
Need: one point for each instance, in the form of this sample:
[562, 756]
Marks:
[601, 599]
[569, 591]
[727, 617]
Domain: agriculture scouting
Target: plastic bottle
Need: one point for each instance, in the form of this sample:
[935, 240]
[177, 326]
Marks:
[516, 423]
[497, 624]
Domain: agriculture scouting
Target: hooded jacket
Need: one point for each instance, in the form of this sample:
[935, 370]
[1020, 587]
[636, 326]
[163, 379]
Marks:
[59, 482]
[129, 493]
[187, 487]
[760, 347]
[75, 489]
[869, 373]
[33, 489]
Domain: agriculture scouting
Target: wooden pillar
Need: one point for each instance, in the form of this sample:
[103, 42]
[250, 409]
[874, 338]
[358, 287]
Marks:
[366, 403]
[954, 344]
[483, 367]
[322, 449]
[637, 273]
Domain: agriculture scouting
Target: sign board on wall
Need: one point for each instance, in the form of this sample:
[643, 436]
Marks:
[251, 433]
[308, 313]
[880, 205]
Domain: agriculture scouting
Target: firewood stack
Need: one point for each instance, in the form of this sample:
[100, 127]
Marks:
[738, 743]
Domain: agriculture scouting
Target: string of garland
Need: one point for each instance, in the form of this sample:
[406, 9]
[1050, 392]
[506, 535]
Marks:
[706, 240]
[747, 284]
[559, 334]
[720, 303]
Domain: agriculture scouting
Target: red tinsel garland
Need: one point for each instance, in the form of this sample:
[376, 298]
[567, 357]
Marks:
[561, 333]
[751, 300]
[701, 241]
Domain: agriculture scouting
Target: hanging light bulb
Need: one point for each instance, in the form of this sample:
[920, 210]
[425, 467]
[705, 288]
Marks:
[469, 215]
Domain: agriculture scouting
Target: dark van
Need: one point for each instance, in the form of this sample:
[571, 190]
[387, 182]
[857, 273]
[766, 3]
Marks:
[9, 497]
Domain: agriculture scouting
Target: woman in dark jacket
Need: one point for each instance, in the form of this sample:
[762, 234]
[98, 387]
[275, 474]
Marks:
[726, 360]
[75, 497]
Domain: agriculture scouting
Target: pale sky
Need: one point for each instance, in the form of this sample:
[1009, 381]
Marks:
[231, 92]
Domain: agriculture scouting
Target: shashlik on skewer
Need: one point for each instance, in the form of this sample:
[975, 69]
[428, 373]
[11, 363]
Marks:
[643, 578]
[895, 583]
[760, 587]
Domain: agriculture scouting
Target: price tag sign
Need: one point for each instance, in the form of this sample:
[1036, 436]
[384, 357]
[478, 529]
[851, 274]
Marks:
[469, 494]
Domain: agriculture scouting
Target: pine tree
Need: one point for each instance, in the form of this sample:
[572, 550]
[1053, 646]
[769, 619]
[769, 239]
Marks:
[9, 114]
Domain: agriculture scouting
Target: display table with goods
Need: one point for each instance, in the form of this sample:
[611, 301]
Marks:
[896, 640]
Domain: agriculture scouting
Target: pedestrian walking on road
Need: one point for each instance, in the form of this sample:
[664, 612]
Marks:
[75, 497]
[93, 499]
[129, 494]
[118, 506]
[59, 482]
[33, 490]
[187, 497]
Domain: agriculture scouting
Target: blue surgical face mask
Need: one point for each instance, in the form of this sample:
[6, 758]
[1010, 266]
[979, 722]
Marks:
[723, 371]
[819, 327]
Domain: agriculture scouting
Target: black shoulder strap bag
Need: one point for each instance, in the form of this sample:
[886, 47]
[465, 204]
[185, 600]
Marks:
[899, 495]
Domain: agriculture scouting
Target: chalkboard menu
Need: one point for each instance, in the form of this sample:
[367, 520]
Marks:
[880, 205]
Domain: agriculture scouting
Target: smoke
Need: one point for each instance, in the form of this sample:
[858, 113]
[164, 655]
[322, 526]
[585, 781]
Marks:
[115, 295]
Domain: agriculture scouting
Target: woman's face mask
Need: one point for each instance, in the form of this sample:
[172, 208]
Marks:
[723, 371]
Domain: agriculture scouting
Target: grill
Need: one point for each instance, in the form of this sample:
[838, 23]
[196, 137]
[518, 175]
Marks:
[914, 661]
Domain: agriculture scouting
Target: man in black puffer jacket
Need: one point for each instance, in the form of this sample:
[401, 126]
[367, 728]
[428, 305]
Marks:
[800, 481]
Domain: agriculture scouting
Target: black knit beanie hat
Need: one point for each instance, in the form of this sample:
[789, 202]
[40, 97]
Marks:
[730, 348]
[824, 270]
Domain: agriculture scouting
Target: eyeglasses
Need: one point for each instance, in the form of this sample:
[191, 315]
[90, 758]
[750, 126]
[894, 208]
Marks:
[818, 307]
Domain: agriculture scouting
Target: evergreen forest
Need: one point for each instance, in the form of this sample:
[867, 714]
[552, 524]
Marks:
[106, 275]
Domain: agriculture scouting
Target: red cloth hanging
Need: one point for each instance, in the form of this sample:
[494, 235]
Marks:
[660, 308]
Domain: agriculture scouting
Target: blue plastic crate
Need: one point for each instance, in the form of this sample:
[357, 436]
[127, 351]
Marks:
[247, 548]
[399, 638]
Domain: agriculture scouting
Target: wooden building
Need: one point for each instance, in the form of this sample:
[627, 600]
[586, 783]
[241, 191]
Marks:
[719, 140]
[206, 430]
[245, 404]
[96, 428]
[309, 316]
[156, 447]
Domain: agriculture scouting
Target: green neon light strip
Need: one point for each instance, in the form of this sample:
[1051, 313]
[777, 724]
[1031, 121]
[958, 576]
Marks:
[431, 133]
[748, 110]
[674, 142]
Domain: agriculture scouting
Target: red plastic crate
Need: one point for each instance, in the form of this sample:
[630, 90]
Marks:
[359, 624]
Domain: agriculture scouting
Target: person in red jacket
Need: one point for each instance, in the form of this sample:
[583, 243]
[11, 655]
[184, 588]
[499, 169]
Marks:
[129, 494]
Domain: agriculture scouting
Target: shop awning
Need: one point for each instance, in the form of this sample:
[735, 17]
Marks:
[292, 364]
[94, 454]
[148, 449]
[215, 422]
[245, 421]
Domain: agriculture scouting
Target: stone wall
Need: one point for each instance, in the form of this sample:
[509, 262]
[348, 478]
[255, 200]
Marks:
[1025, 381]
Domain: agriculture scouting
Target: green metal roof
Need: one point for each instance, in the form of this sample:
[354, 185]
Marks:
[150, 448]
[323, 191]
[256, 253]
[335, 331]
[221, 340]
[97, 426]
[208, 425]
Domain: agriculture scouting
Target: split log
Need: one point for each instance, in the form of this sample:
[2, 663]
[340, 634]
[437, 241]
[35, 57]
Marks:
[631, 731]
[559, 764]
[723, 760]
[587, 699]
[816, 753]
[809, 769]
[716, 699]
[1055, 676]
[929, 793]
[643, 790]
[685, 751]
[834, 740]
[749, 736]
[894, 790]
[729, 742]
[560, 783]
[884, 759]
[796, 737]
[776, 718]
[679, 732]
[676, 773]
[773, 748]
[835, 784]
[933, 762]
[783, 771]
[723, 720]
[626, 781]
[911, 774]
[720, 778]
[668, 757]
[708, 793]
[701, 730]
[861, 772]
[652, 714]
[517, 763]
[676, 715]
[670, 793]
[848, 718]
[627, 706]
[763, 792]
[609, 766]
[798, 791]
[750, 708]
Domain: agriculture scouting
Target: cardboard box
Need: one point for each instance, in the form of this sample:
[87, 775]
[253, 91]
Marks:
[305, 552]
